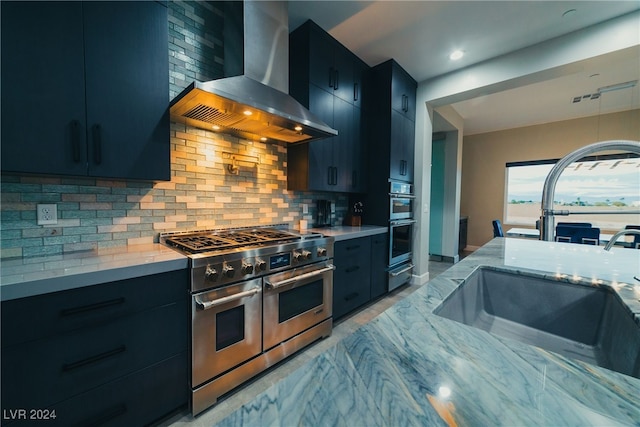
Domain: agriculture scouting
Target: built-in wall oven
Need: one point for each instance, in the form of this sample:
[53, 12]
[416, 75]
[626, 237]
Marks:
[401, 201]
[401, 231]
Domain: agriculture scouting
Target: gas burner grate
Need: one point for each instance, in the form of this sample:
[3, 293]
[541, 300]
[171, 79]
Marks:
[228, 239]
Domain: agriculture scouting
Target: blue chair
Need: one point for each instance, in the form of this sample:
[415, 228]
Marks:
[497, 228]
[636, 237]
[576, 234]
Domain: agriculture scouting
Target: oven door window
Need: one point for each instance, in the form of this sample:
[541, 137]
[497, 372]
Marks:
[401, 240]
[400, 206]
[229, 327]
[299, 300]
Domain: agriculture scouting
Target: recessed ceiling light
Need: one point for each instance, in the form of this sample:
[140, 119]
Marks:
[263, 139]
[247, 112]
[216, 127]
[298, 128]
[456, 54]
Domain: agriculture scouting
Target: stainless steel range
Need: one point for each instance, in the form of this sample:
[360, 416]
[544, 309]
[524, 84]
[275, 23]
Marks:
[258, 295]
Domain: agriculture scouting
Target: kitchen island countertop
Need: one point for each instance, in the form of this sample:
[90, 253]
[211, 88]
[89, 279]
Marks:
[25, 277]
[411, 367]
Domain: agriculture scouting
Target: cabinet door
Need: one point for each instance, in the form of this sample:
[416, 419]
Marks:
[321, 57]
[43, 109]
[320, 151]
[343, 143]
[343, 78]
[396, 152]
[358, 162]
[359, 72]
[403, 92]
[127, 80]
[408, 138]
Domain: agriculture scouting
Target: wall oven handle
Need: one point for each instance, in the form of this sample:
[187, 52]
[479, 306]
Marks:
[404, 270]
[275, 285]
[205, 305]
[401, 196]
[403, 222]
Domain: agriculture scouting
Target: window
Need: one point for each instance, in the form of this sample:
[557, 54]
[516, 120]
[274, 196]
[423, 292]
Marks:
[606, 188]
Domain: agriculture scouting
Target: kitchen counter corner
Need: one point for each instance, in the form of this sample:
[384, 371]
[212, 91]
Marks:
[346, 232]
[24, 277]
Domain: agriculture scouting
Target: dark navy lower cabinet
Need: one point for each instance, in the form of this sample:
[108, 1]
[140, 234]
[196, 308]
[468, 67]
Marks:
[109, 354]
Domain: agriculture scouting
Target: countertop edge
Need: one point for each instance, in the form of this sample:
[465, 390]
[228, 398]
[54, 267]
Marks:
[347, 232]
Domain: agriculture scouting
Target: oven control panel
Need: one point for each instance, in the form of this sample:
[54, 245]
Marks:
[217, 271]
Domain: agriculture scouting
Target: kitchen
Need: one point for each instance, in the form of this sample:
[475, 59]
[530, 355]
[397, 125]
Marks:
[104, 213]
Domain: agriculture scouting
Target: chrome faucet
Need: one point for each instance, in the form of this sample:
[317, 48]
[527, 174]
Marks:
[617, 235]
[548, 192]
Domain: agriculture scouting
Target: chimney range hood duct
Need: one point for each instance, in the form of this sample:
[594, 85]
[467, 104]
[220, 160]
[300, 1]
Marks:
[222, 105]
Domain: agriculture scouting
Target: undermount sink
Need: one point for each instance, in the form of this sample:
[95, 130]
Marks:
[581, 322]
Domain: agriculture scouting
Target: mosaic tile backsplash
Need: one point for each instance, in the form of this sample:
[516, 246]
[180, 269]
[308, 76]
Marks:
[202, 194]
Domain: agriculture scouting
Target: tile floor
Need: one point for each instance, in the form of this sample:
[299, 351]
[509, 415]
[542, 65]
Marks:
[341, 329]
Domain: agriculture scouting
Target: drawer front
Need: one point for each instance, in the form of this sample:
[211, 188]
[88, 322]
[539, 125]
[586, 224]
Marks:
[351, 279]
[135, 400]
[40, 373]
[27, 319]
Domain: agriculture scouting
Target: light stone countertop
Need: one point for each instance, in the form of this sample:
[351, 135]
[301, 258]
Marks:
[411, 367]
[23, 277]
[345, 232]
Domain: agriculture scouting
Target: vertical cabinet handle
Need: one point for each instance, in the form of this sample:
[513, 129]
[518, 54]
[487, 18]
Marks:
[329, 175]
[75, 140]
[355, 91]
[336, 80]
[335, 175]
[97, 144]
[331, 83]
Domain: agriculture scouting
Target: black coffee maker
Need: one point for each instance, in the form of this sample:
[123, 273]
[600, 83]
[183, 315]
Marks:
[323, 213]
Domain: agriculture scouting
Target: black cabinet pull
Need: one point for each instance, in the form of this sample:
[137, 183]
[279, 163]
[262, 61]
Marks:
[105, 416]
[335, 175]
[97, 144]
[93, 359]
[75, 140]
[355, 91]
[351, 296]
[336, 81]
[352, 248]
[91, 307]
[329, 175]
[352, 269]
[331, 77]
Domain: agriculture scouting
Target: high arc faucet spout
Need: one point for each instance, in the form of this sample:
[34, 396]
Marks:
[548, 191]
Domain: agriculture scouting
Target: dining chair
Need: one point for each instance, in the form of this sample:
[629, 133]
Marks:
[497, 228]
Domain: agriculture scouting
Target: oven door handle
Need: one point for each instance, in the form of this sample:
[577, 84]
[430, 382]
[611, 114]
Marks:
[403, 222]
[404, 270]
[401, 196]
[205, 305]
[276, 285]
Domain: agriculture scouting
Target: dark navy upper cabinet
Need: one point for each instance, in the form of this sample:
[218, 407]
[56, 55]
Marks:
[327, 78]
[392, 126]
[85, 89]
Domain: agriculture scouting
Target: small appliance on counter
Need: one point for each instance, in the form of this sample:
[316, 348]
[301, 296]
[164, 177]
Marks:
[323, 213]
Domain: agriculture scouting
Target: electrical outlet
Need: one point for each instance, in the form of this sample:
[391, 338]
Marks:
[47, 214]
[305, 209]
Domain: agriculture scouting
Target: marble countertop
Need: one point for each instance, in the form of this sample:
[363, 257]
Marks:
[413, 368]
[346, 232]
[23, 277]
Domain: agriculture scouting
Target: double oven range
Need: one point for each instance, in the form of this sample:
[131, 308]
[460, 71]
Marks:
[257, 296]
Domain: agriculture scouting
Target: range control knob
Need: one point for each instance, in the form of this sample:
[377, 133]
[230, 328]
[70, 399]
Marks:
[246, 268]
[306, 254]
[261, 265]
[228, 271]
[322, 252]
[211, 274]
[297, 256]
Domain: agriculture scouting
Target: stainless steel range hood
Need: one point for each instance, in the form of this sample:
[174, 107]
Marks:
[255, 105]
